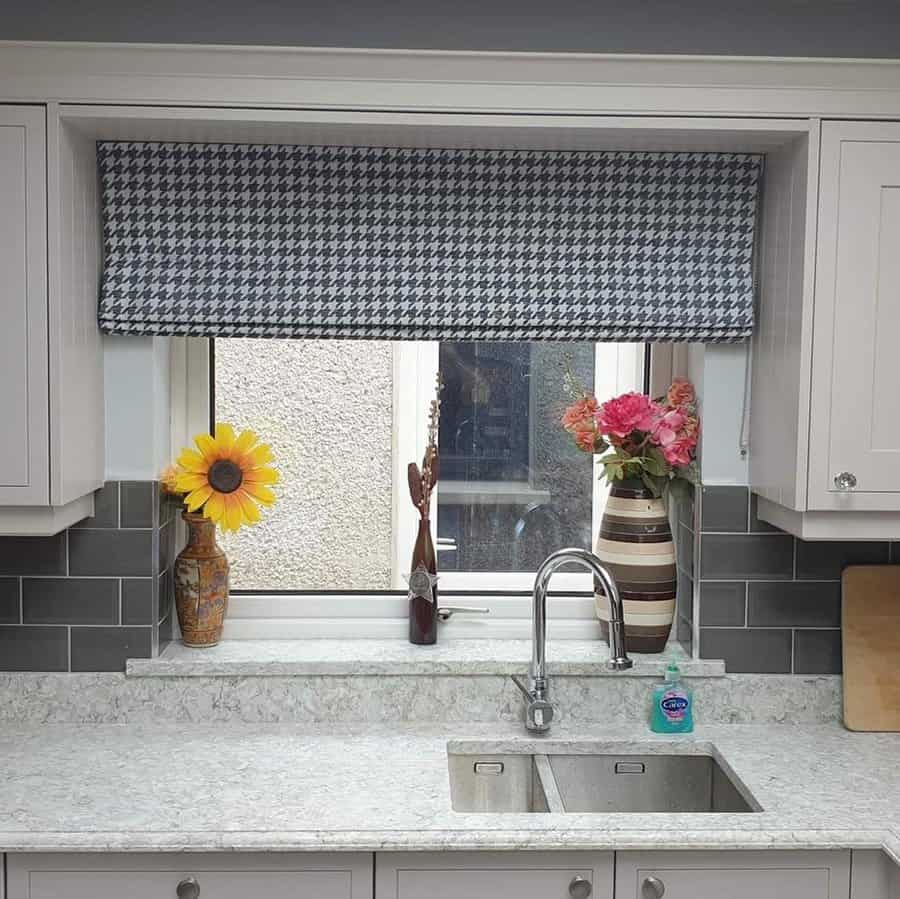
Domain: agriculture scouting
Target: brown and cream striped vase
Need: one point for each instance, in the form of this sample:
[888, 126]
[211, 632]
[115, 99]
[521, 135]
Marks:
[635, 543]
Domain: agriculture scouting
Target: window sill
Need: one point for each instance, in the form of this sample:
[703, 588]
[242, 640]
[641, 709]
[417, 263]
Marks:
[262, 658]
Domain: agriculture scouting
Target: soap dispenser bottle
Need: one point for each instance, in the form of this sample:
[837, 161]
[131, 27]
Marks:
[673, 711]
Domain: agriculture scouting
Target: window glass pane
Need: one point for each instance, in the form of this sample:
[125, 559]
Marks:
[325, 407]
[513, 487]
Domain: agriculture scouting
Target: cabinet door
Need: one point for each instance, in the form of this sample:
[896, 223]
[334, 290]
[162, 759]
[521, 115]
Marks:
[24, 447]
[223, 876]
[737, 875]
[494, 875]
[854, 425]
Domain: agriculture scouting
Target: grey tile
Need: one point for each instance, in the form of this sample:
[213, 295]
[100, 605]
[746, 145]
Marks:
[684, 634]
[33, 555]
[138, 504]
[685, 508]
[165, 632]
[166, 546]
[165, 592]
[825, 560]
[724, 509]
[895, 553]
[684, 550]
[106, 508]
[685, 596]
[748, 650]
[795, 604]
[70, 600]
[34, 648]
[107, 648]
[757, 525]
[138, 600]
[114, 553]
[733, 557]
[723, 603]
[9, 600]
[817, 652]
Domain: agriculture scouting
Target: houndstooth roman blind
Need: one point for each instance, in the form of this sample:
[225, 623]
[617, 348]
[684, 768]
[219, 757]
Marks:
[426, 244]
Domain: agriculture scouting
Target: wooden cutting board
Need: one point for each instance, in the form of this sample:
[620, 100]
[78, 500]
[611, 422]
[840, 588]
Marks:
[870, 621]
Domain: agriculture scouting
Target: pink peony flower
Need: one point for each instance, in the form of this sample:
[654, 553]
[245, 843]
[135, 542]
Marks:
[681, 393]
[679, 452]
[629, 412]
[667, 427]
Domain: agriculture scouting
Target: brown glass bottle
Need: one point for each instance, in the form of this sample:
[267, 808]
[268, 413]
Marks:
[423, 602]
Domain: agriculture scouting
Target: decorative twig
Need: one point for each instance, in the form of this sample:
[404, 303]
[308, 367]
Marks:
[421, 482]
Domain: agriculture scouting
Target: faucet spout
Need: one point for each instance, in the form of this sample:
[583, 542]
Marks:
[536, 692]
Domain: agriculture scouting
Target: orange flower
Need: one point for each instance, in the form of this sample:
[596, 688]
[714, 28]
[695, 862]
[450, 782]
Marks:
[579, 412]
[681, 393]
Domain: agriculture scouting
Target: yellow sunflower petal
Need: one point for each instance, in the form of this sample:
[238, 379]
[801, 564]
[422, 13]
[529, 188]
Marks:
[191, 460]
[249, 508]
[260, 455]
[208, 447]
[261, 476]
[184, 483]
[243, 444]
[214, 509]
[197, 498]
[234, 514]
[259, 492]
[225, 439]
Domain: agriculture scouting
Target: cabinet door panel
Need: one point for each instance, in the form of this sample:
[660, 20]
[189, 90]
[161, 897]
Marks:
[24, 448]
[737, 875]
[855, 427]
[491, 875]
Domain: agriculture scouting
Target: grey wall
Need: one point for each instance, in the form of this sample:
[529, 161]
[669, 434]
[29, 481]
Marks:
[852, 28]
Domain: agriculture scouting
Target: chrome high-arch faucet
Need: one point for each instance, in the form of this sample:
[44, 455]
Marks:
[538, 709]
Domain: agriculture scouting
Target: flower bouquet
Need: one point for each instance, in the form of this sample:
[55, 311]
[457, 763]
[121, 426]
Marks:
[654, 441]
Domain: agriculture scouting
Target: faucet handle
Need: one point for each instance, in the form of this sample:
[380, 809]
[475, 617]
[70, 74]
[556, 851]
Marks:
[538, 710]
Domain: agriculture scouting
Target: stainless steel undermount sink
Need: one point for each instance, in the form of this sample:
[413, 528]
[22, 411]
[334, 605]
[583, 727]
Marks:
[603, 782]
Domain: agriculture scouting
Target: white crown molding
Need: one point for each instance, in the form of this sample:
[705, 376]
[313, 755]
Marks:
[432, 81]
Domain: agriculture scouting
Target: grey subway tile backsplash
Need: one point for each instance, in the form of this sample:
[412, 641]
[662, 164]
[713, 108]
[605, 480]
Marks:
[746, 556]
[107, 552]
[37, 647]
[108, 648]
[723, 604]
[33, 555]
[817, 652]
[10, 590]
[725, 509]
[792, 618]
[797, 604]
[139, 501]
[89, 598]
[745, 650]
[70, 600]
[106, 508]
[826, 560]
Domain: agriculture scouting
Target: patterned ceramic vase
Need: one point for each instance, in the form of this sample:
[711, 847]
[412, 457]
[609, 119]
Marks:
[635, 543]
[201, 584]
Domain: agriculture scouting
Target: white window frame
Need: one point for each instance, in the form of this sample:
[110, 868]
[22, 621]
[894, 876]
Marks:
[327, 615]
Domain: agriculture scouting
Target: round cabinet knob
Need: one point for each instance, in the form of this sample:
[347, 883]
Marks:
[579, 888]
[652, 888]
[846, 480]
[188, 888]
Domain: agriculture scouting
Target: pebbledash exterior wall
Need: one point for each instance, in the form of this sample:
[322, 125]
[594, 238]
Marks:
[96, 594]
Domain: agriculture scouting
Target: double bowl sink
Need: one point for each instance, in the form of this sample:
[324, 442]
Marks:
[609, 781]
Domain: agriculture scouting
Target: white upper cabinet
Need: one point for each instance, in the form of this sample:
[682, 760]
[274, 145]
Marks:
[825, 420]
[51, 360]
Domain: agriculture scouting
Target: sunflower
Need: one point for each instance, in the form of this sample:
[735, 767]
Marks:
[226, 477]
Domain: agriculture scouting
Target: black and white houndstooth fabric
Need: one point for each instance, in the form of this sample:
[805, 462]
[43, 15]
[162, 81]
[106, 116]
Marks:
[427, 244]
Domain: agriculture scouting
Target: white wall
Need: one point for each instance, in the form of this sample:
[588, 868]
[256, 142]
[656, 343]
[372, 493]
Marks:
[137, 386]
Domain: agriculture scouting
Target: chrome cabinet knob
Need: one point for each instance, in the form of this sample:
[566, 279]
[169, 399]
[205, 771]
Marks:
[652, 888]
[846, 480]
[579, 888]
[188, 888]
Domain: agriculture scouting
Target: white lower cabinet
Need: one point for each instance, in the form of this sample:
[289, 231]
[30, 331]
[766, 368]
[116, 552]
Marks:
[736, 875]
[494, 875]
[188, 876]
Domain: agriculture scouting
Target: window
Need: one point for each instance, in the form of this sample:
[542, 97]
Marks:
[346, 417]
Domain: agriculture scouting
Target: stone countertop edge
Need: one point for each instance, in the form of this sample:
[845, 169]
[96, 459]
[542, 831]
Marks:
[279, 658]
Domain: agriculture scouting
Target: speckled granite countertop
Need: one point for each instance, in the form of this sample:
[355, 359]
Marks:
[291, 787]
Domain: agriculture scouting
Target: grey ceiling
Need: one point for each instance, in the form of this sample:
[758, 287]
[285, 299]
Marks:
[859, 28]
